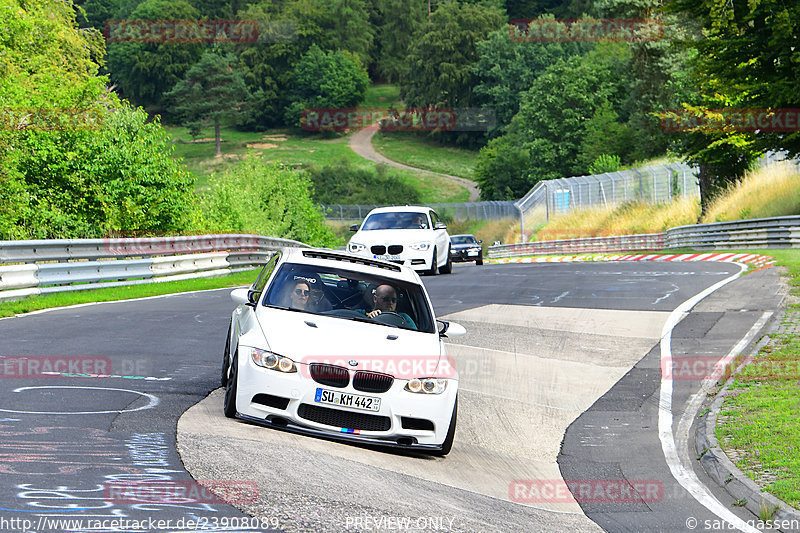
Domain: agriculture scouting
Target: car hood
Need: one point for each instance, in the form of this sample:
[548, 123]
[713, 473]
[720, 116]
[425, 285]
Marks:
[342, 342]
[393, 236]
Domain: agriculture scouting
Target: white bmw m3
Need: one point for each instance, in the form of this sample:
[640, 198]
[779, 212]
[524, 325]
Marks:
[344, 347]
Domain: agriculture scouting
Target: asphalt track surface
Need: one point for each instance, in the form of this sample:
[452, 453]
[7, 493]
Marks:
[560, 380]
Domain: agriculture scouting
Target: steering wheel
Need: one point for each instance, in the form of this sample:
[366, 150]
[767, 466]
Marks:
[392, 319]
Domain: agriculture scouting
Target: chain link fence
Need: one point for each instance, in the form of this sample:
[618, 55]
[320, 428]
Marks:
[455, 211]
[653, 184]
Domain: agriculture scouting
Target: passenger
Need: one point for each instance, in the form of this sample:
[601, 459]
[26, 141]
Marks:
[385, 300]
[299, 295]
[419, 222]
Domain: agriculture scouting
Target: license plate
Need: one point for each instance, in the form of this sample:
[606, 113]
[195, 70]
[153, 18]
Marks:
[388, 257]
[344, 399]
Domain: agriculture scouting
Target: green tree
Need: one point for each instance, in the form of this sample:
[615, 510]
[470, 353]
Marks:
[502, 169]
[342, 183]
[352, 29]
[144, 71]
[325, 80]
[402, 20]
[265, 199]
[605, 163]
[439, 66]
[507, 68]
[213, 90]
[552, 119]
[747, 57]
[605, 134]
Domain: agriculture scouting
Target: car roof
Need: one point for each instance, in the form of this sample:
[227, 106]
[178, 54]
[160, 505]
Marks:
[340, 259]
[401, 209]
[463, 235]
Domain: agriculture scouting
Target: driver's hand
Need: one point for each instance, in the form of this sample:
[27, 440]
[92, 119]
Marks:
[374, 313]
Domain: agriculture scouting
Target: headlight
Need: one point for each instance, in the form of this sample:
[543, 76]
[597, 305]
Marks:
[426, 385]
[272, 361]
[354, 247]
[421, 246]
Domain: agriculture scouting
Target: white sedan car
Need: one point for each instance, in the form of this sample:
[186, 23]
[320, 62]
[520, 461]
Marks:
[329, 344]
[408, 235]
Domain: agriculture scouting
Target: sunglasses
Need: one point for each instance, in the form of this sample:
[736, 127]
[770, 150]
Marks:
[302, 292]
[389, 299]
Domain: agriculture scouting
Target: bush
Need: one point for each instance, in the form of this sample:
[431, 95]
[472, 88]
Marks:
[341, 183]
[265, 199]
[116, 179]
[333, 79]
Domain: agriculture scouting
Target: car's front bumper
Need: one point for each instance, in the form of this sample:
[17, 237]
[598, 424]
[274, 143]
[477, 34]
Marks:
[298, 389]
[464, 256]
[417, 260]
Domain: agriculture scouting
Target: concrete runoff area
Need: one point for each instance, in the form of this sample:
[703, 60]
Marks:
[526, 373]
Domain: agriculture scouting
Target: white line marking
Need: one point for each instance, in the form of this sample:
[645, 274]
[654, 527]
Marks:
[683, 474]
[153, 401]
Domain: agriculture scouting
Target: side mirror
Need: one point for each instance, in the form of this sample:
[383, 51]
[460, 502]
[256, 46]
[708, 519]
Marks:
[440, 225]
[450, 329]
[480, 241]
[245, 296]
[354, 227]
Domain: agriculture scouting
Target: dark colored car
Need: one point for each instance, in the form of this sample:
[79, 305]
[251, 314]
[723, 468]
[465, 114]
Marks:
[465, 248]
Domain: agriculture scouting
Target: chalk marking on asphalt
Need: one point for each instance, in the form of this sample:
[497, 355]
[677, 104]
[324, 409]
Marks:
[683, 474]
[152, 401]
[79, 375]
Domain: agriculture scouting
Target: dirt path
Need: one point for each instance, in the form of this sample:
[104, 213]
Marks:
[361, 144]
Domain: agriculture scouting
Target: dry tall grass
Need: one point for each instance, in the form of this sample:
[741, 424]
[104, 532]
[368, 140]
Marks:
[771, 191]
[626, 219]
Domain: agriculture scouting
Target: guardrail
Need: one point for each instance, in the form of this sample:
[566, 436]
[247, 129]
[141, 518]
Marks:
[617, 243]
[46, 266]
[777, 232]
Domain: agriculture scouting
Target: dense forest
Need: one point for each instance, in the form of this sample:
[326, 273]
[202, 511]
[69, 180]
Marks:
[562, 106]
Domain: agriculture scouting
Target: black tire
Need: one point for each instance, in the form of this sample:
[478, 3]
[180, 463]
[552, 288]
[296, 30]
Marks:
[448, 267]
[434, 266]
[479, 262]
[229, 405]
[226, 359]
[447, 445]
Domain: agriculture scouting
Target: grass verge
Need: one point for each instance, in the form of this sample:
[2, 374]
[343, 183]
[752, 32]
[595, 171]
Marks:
[757, 426]
[128, 292]
[298, 150]
[415, 150]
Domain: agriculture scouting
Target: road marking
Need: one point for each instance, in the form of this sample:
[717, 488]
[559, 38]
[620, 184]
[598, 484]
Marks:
[152, 402]
[682, 473]
[70, 375]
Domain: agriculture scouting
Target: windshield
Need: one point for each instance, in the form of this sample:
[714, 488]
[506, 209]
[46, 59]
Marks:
[351, 296]
[463, 239]
[396, 221]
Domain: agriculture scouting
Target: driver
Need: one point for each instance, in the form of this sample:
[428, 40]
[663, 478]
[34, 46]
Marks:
[384, 299]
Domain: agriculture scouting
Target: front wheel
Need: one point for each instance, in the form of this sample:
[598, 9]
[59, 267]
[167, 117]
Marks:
[226, 359]
[229, 405]
[448, 266]
[434, 266]
[479, 262]
[447, 445]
